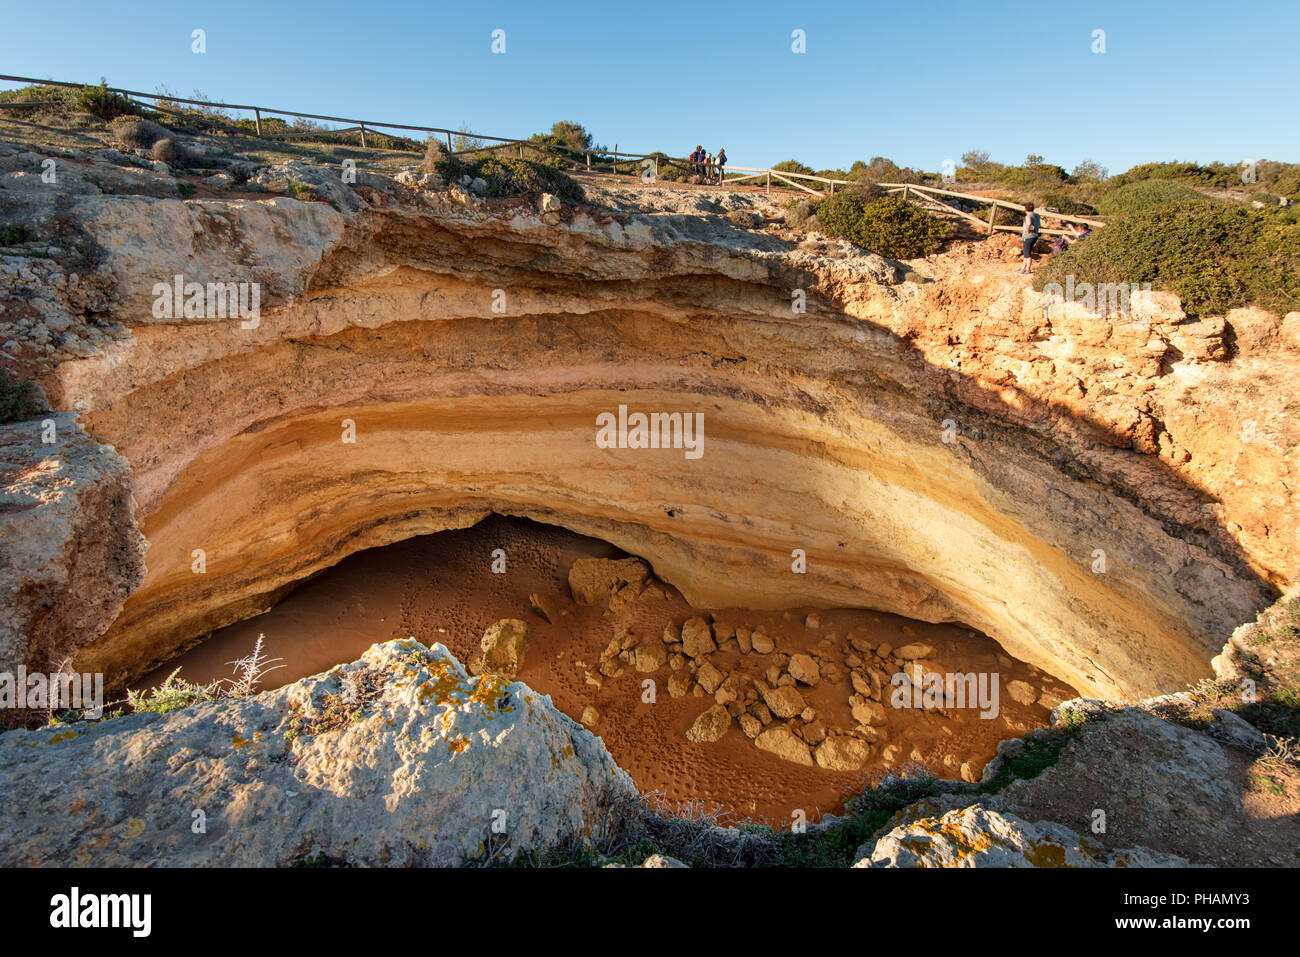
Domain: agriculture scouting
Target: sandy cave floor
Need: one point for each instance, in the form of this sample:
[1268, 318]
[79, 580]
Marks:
[441, 588]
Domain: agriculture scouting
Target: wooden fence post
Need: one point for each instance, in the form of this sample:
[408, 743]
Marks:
[905, 192]
[363, 135]
[993, 212]
[769, 183]
[448, 141]
[257, 121]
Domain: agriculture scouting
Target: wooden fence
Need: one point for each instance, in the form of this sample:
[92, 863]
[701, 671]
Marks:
[928, 197]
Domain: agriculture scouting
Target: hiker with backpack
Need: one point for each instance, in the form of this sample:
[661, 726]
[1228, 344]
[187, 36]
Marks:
[1029, 235]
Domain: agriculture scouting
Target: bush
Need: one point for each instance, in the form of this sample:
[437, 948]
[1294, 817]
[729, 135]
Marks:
[1189, 173]
[1141, 196]
[17, 399]
[515, 177]
[172, 153]
[136, 133]
[886, 225]
[101, 102]
[792, 166]
[1215, 256]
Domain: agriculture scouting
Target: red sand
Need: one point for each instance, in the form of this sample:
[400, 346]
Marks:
[441, 588]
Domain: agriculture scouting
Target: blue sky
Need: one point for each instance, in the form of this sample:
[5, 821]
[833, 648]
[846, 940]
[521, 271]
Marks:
[919, 83]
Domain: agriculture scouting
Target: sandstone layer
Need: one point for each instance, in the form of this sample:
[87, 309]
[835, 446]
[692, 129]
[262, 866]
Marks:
[1077, 487]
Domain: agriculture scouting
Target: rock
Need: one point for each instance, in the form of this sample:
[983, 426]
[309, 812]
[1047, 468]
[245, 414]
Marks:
[503, 644]
[914, 650]
[884, 650]
[595, 580]
[723, 631]
[545, 606]
[808, 714]
[1022, 692]
[804, 670]
[651, 655]
[70, 551]
[761, 643]
[549, 203]
[710, 726]
[590, 716]
[867, 712]
[731, 689]
[784, 702]
[761, 712]
[968, 773]
[744, 638]
[750, 725]
[978, 837]
[411, 777]
[697, 638]
[814, 732]
[781, 741]
[841, 752]
[677, 662]
[672, 634]
[812, 621]
[1233, 729]
[679, 682]
[661, 860]
[861, 683]
[709, 677]
[1051, 700]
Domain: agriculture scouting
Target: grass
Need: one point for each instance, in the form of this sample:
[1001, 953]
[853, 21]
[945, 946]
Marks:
[176, 693]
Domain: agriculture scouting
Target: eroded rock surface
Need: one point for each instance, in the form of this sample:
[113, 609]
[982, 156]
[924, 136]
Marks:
[399, 758]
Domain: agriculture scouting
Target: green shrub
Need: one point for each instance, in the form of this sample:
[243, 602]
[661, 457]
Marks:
[101, 102]
[14, 234]
[17, 399]
[514, 177]
[1142, 196]
[168, 151]
[1215, 256]
[1067, 205]
[887, 225]
[1189, 173]
[792, 166]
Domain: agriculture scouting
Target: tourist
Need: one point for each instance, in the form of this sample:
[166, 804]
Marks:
[697, 161]
[1029, 235]
[708, 168]
[722, 161]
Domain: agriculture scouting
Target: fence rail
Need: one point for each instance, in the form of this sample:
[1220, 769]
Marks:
[921, 195]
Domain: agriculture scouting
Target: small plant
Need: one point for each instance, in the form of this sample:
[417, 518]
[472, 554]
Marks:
[14, 234]
[186, 189]
[103, 103]
[172, 695]
[249, 670]
[303, 191]
[17, 399]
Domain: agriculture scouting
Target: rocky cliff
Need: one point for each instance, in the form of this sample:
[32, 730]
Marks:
[929, 438]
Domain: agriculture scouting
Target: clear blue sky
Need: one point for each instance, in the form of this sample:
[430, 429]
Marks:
[919, 83]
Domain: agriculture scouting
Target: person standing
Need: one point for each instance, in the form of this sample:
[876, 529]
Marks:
[1029, 235]
[722, 162]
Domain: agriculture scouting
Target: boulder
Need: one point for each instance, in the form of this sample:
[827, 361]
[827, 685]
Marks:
[978, 837]
[710, 726]
[916, 649]
[414, 772]
[503, 644]
[867, 712]
[785, 701]
[804, 669]
[842, 752]
[651, 655]
[697, 638]
[761, 643]
[595, 580]
[709, 677]
[679, 682]
[545, 606]
[782, 742]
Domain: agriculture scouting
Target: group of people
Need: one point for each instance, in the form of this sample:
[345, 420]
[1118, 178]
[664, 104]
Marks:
[707, 165]
[1029, 236]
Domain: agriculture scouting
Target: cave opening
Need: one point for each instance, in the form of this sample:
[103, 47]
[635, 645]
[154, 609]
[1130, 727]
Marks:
[789, 712]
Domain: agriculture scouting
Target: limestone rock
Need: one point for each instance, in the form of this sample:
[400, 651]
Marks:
[781, 741]
[545, 606]
[697, 638]
[804, 669]
[978, 837]
[867, 712]
[411, 778]
[679, 682]
[710, 725]
[1022, 692]
[595, 580]
[709, 677]
[842, 752]
[784, 702]
[503, 644]
[761, 643]
[651, 655]
[914, 650]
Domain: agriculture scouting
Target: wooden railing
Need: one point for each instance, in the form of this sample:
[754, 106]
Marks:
[926, 196]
